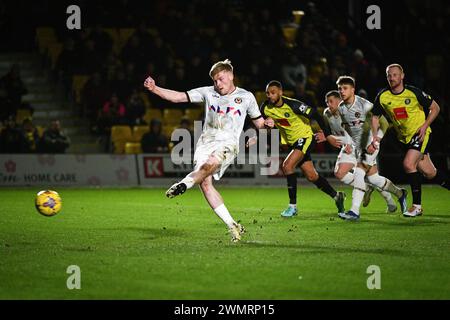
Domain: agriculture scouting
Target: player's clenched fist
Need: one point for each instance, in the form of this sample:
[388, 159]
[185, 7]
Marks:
[149, 83]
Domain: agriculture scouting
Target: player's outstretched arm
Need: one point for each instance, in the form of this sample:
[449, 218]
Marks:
[166, 94]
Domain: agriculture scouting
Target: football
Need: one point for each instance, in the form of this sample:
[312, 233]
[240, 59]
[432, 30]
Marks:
[48, 202]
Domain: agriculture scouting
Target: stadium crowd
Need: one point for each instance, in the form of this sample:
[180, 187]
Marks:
[250, 33]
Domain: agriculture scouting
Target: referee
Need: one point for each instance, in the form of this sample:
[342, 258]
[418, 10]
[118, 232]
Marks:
[411, 112]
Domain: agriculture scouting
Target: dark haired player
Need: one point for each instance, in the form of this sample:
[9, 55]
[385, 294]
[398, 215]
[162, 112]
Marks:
[292, 117]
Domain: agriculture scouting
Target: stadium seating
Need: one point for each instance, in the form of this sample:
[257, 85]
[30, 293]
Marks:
[120, 135]
[22, 114]
[168, 129]
[260, 97]
[133, 148]
[193, 113]
[152, 113]
[289, 93]
[139, 131]
[172, 116]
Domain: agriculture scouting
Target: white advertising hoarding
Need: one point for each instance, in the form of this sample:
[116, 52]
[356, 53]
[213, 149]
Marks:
[67, 170]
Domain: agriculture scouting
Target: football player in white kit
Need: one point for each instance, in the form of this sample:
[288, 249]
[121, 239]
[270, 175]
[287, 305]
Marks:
[226, 107]
[354, 112]
[346, 160]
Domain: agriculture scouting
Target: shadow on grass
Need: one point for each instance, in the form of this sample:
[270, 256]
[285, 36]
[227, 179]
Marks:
[327, 249]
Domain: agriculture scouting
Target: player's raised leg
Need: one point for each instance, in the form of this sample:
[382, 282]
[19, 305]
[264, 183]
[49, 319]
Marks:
[216, 203]
[312, 176]
[195, 177]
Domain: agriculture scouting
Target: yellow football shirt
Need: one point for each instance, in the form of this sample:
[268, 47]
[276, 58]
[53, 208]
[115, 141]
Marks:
[292, 119]
[406, 110]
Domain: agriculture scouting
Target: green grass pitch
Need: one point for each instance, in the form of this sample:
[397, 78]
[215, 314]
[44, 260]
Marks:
[136, 244]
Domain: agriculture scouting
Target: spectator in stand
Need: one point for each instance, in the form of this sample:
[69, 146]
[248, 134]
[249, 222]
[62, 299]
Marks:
[185, 123]
[31, 138]
[54, 140]
[94, 93]
[11, 138]
[113, 113]
[359, 67]
[12, 89]
[136, 109]
[293, 72]
[154, 141]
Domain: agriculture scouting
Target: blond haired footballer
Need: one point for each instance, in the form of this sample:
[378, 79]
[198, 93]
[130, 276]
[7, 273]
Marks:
[226, 107]
[411, 112]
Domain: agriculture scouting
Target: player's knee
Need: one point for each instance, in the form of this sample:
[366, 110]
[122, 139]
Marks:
[409, 166]
[288, 168]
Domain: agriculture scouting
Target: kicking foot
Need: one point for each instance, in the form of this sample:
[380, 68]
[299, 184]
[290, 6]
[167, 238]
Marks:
[176, 189]
[339, 199]
[289, 212]
[413, 212]
[236, 231]
[367, 194]
[349, 215]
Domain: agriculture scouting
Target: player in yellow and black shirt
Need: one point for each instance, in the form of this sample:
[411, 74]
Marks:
[411, 112]
[292, 118]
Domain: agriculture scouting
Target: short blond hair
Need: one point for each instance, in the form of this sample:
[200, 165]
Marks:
[394, 65]
[221, 66]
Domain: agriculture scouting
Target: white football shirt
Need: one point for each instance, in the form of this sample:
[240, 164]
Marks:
[225, 115]
[354, 117]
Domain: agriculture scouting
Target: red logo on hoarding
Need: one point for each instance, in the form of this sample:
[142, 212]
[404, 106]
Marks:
[10, 166]
[153, 167]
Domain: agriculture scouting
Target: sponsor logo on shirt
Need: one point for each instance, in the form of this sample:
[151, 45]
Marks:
[232, 110]
[400, 113]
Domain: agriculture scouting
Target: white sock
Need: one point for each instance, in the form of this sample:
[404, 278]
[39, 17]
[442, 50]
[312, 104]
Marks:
[293, 205]
[188, 181]
[418, 206]
[348, 178]
[222, 213]
[358, 189]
